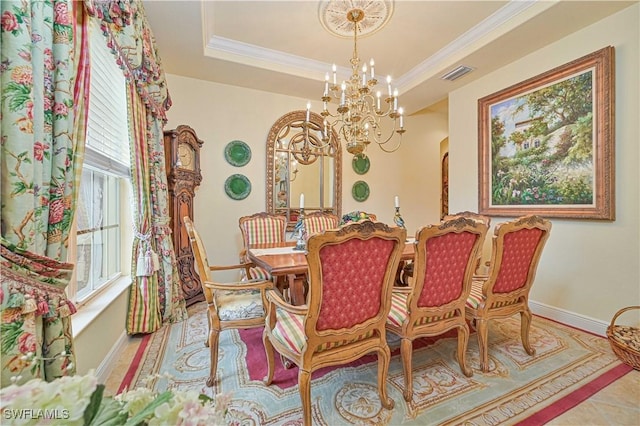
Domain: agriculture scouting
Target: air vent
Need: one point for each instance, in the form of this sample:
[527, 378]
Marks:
[456, 73]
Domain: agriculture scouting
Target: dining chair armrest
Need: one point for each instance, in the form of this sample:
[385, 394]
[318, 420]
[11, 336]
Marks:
[243, 265]
[275, 297]
[240, 285]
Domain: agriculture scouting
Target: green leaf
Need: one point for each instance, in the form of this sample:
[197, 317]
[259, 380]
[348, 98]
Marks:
[110, 413]
[149, 409]
[94, 404]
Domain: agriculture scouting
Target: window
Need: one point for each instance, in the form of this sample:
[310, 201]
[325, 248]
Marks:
[101, 243]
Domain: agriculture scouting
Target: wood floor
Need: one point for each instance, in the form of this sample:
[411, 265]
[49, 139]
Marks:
[616, 405]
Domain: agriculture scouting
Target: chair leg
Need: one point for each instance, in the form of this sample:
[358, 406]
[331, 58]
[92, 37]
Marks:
[214, 336]
[406, 353]
[206, 341]
[384, 358]
[268, 349]
[463, 342]
[483, 342]
[525, 327]
[304, 385]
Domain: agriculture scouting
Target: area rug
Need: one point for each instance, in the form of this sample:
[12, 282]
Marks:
[568, 367]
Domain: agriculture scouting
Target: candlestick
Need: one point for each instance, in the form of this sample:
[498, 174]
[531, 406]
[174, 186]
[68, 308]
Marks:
[302, 201]
[371, 63]
[308, 111]
[333, 68]
[397, 202]
[389, 85]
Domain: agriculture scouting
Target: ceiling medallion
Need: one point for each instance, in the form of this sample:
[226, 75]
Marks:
[333, 16]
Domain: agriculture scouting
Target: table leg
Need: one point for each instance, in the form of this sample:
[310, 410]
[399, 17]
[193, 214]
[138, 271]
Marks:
[296, 289]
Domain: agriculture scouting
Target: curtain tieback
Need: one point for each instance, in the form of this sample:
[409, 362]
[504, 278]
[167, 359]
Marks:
[148, 261]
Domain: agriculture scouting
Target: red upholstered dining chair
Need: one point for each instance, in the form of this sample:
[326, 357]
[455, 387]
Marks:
[477, 216]
[444, 262]
[516, 249]
[351, 273]
[261, 228]
[229, 305]
[318, 221]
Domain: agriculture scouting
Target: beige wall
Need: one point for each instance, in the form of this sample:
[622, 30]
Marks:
[220, 113]
[588, 268]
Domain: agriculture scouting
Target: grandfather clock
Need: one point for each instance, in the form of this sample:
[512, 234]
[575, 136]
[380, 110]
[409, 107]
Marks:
[182, 157]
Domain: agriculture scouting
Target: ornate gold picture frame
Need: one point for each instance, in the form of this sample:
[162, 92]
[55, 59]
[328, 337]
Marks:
[546, 145]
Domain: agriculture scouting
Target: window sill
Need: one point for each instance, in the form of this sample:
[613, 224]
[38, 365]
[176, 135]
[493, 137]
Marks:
[91, 309]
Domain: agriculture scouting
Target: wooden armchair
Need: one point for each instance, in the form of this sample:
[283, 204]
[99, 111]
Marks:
[261, 228]
[516, 249]
[477, 216]
[351, 273]
[318, 221]
[230, 305]
[444, 264]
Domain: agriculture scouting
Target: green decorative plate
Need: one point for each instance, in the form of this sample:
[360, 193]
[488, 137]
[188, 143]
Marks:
[360, 164]
[237, 187]
[360, 190]
[237, 153]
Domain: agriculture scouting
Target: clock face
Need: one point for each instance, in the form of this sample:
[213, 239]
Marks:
[186, 154]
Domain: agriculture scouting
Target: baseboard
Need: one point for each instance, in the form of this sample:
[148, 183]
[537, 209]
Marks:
[106, 366]
[569, 318]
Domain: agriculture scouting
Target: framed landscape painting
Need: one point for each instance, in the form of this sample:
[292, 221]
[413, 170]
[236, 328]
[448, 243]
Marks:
[546, 145]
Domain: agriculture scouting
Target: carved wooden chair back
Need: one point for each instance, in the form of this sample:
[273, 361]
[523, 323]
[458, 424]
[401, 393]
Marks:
[351, 273]
[516, 249]
[229, 305]
[477, 216]
[444, 264]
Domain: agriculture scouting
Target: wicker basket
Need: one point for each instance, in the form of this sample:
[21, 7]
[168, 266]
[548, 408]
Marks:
[620, 345]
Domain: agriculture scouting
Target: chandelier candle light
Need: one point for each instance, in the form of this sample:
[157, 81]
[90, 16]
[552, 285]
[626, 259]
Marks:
[397, 218]
[357, 119]
[299, 231]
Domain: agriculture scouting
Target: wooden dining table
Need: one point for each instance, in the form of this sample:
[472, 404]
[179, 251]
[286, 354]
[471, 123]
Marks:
[289, 266]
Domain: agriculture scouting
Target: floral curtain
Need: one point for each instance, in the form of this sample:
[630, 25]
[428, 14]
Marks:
[43, 82]
[155, 296]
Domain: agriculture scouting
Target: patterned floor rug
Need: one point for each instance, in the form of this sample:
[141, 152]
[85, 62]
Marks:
[569, 366]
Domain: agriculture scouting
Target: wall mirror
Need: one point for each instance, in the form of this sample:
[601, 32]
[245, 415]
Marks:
[302, 160]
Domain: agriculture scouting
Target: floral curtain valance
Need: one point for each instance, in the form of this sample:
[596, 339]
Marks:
[130, 38]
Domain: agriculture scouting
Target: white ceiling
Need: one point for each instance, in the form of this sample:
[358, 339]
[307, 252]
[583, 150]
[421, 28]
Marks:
[281, 46]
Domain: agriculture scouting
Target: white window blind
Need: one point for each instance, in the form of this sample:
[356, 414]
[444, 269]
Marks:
[107, 126]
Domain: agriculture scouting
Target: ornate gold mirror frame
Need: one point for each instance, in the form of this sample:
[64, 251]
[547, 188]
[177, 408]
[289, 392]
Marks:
[302, 160]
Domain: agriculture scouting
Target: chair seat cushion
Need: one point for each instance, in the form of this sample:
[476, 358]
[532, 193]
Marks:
[398, 313]
[244, 304]
[258, 273]
[289, 331]
[475, 297]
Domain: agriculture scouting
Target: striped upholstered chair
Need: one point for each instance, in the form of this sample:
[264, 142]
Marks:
[318, 221]
[516, 249]
[444, 264]
[351, 273]
[261, 228]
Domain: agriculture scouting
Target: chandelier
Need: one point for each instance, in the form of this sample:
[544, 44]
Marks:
[360, 107]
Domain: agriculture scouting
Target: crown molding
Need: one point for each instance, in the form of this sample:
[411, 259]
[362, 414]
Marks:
[503, 20]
